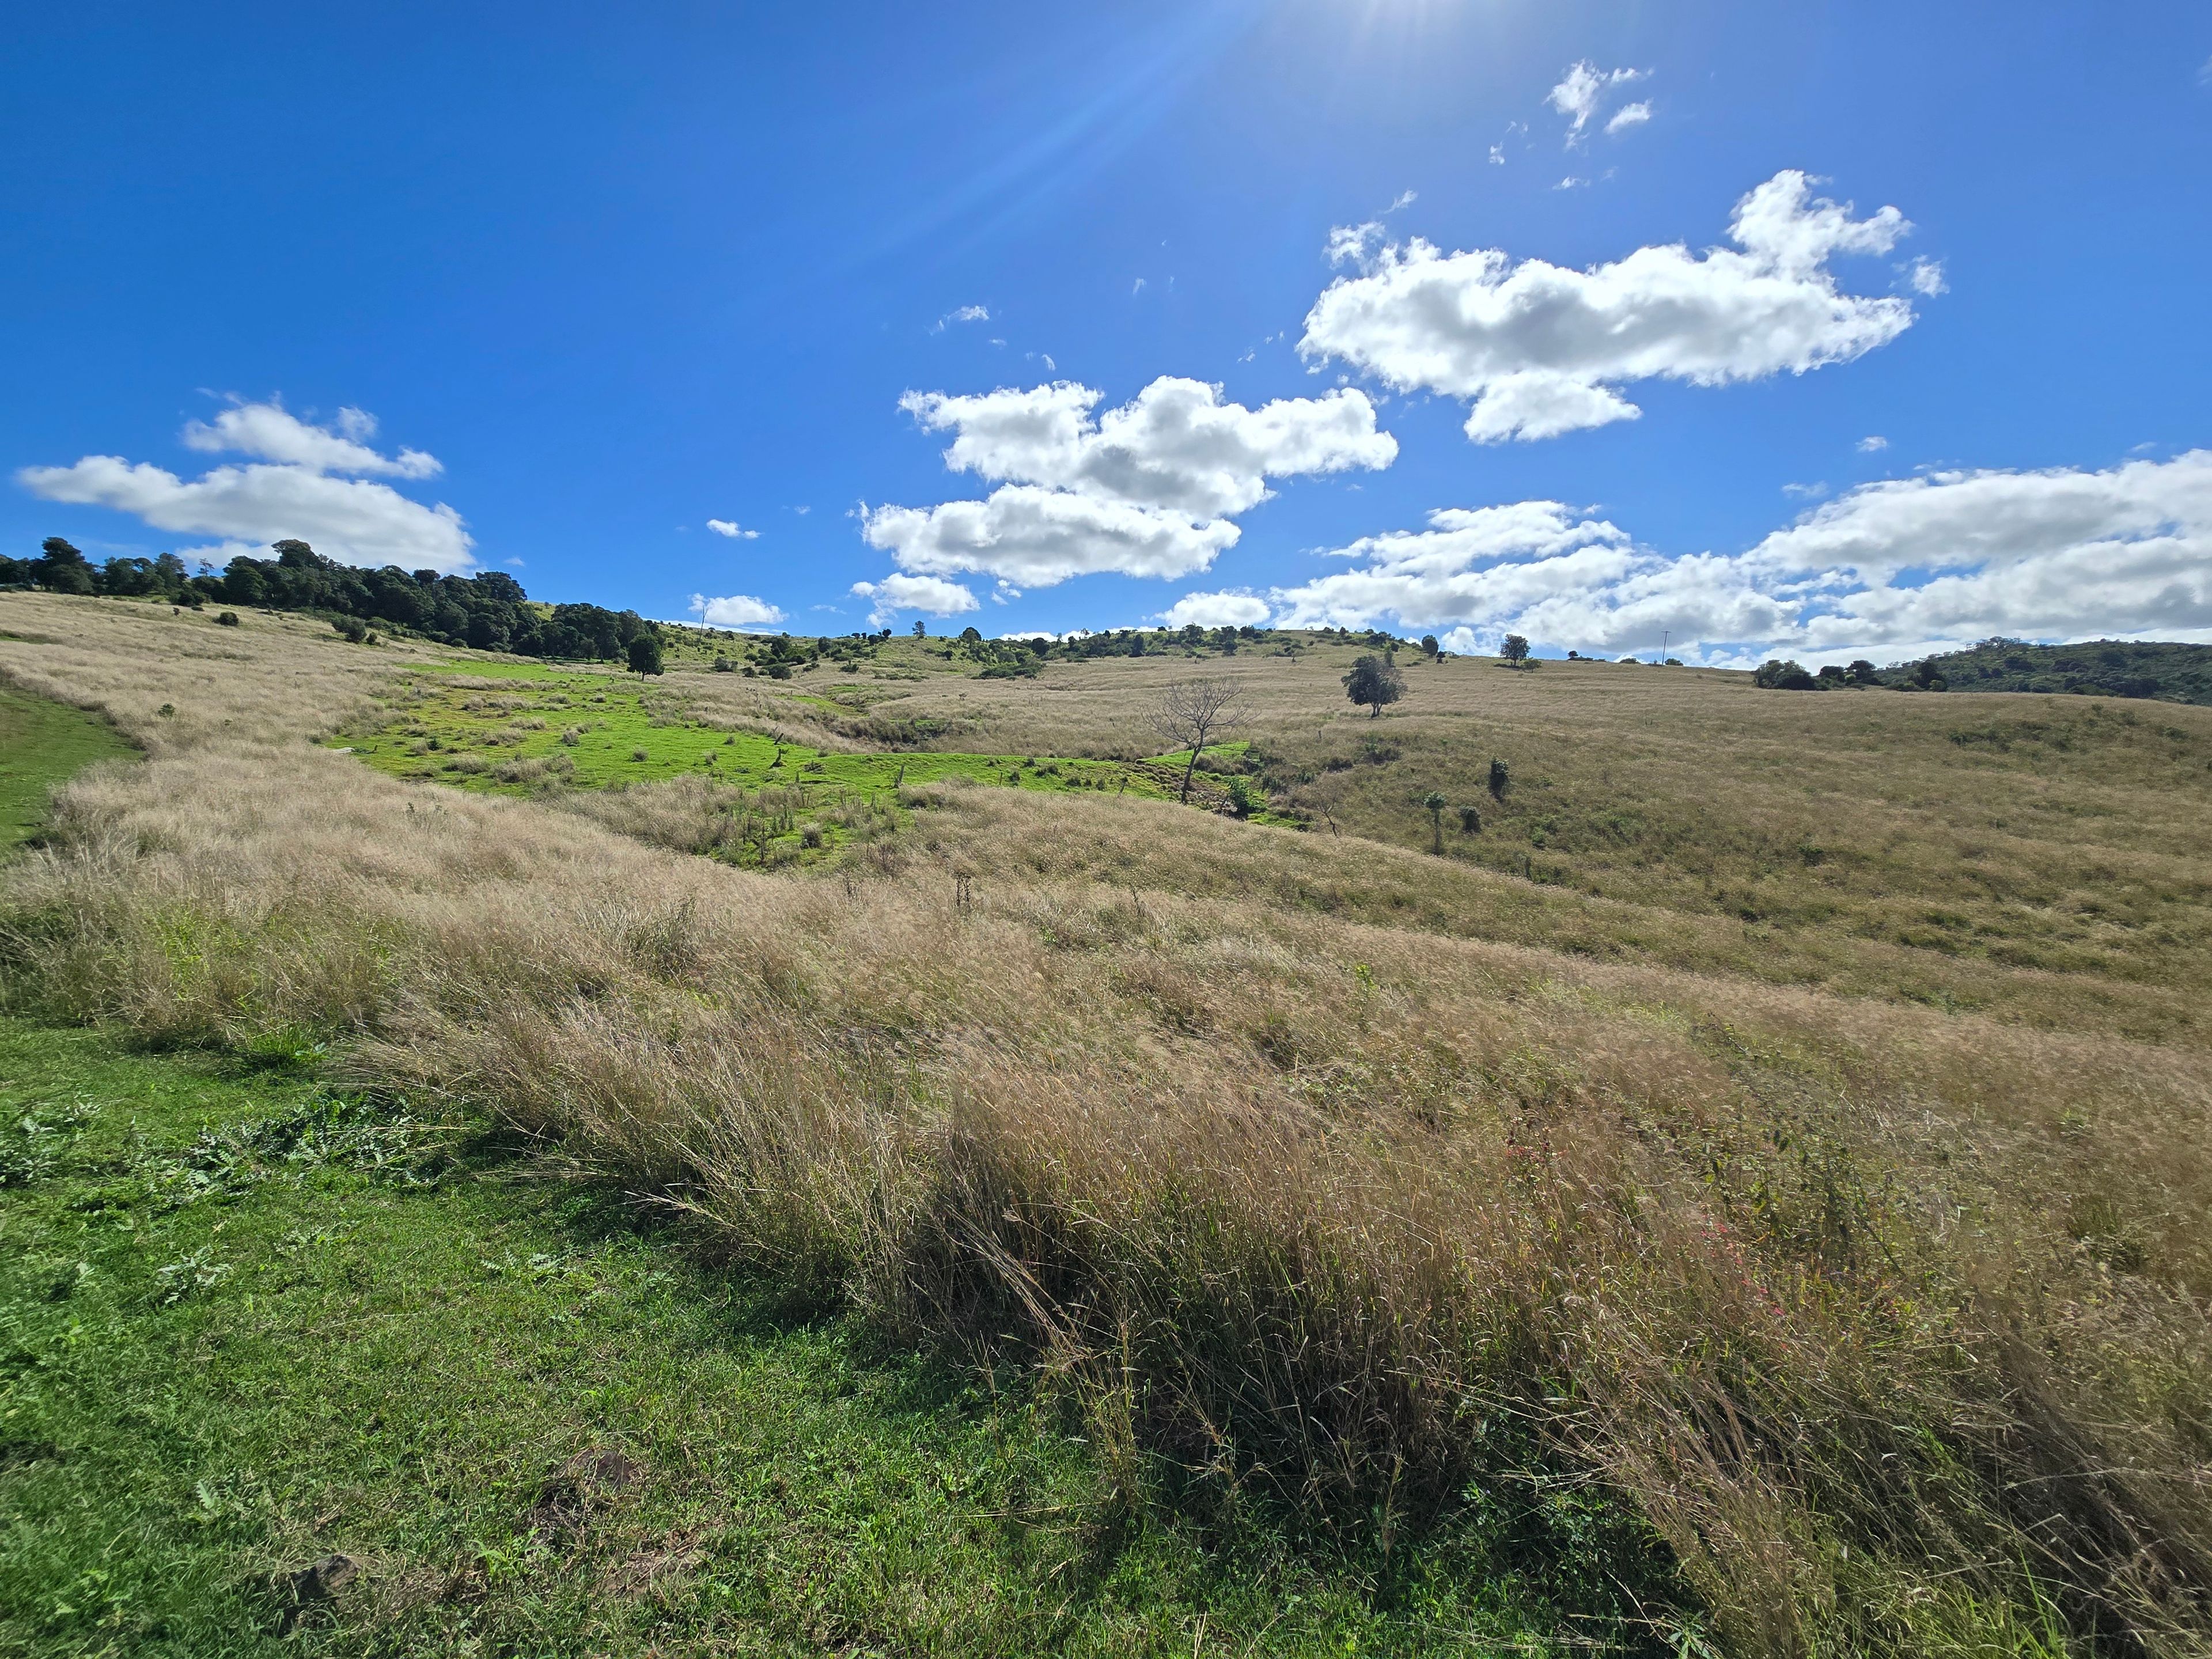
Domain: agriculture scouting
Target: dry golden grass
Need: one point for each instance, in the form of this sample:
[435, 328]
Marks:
[1889, 1320]
[1875, 842]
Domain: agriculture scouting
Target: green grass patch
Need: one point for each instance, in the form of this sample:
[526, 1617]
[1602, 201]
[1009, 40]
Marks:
[603, 730]
[248, 1324]
[41, 744]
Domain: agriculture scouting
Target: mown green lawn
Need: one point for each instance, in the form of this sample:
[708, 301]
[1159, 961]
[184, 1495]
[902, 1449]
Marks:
[247, 1323]
[41, 742]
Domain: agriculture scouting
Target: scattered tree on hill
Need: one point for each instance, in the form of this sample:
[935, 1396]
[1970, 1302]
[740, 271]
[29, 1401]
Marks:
[1780, 674]
[1515, 650]
[1430, 648]
[61, 568]
[1434, 801]
[1195, 713]
[920, 628]
[1470, 821]
[644, 651]
[1373, 684]
[1500, 779]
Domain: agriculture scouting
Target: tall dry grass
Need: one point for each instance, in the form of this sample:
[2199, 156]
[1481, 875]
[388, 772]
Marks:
[1886, 1321]
[1917, 847]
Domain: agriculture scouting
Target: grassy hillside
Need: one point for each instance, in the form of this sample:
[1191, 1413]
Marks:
[2106, 668]
[1805, 1231]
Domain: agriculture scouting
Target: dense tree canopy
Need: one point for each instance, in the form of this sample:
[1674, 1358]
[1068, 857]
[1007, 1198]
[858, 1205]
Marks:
[489, 611]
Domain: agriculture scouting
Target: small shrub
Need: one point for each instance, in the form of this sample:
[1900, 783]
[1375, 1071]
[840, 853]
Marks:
[1470, 821]
[1501, 779]
[225, 619]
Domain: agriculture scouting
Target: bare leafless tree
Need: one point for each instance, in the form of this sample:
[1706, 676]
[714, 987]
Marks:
[1195, 713]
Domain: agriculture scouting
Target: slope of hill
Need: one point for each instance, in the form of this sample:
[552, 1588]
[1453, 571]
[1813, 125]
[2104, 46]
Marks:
[1755, 1171]
[2104, 668]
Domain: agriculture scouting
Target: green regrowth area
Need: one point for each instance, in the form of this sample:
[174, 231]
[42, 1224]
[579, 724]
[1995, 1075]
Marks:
[42, 743]
[249, 1324]
[588, 731]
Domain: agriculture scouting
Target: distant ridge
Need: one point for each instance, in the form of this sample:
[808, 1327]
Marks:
[2103, 668]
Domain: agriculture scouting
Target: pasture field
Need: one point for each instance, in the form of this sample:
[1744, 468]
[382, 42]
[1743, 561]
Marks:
[1746, 1192]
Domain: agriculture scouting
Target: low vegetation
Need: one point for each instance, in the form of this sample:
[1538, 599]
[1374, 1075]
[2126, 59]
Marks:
[1771, 1285]
[41, 742]
[2097, 668]
[254, 1327]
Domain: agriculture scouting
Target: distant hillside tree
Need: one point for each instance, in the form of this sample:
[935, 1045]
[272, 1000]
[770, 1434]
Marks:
[1780, 674]
[1373, 684]
[1515, 650]
[60, 568]
[644, 653]
[1195, 713]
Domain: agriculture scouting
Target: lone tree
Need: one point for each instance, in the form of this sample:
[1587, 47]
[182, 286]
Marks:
[1373, 683]
[1434, 801]
[1430, 648]
[1501, 779]
[1195, 713]
[644, 654]
[1515, 650]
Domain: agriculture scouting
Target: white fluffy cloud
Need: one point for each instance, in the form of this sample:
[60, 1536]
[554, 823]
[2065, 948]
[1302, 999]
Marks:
[734, 530]
[1038, 537]
[1926, 277]
[1874, 444]
[963, 314]
[931, 594]
[289, 491]
[1583, 91]
[1887, 570]
[273, 433]
[1144, 490]
[1627, 116]
[1540, 347]
[1231, 608]
[737, 610]
[1176, 445]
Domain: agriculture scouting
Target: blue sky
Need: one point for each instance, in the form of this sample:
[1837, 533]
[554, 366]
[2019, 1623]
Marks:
[1622, 295]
